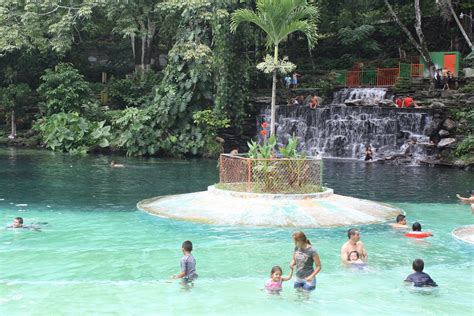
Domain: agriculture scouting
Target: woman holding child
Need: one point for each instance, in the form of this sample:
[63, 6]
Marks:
[304, 258]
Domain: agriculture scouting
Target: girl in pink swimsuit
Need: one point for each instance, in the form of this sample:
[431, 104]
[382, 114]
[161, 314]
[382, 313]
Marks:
[273, 285]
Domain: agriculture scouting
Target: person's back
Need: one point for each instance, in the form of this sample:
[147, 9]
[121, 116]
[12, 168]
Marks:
[188, 266]
[419, 278]
[408, 102]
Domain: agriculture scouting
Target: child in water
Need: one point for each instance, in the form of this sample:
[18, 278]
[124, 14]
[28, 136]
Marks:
[356, 261]
[419, 278]
[274, 284]
[187, 263]
[416, 227]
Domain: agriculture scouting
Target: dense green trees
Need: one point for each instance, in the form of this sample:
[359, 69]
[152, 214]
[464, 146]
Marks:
[52, 54]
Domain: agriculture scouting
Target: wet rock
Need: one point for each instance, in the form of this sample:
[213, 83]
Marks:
[449, 124]
[470, 101]
[468, 72]
[437, 105]
[353, 102]
[443, 133]
[446, 142]
[459, 163]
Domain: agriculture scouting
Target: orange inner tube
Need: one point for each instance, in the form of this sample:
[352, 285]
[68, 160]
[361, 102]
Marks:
[418, 235]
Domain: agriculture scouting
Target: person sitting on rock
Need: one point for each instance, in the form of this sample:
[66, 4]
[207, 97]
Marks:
[398, 103]
[408, 102]
[314, 102]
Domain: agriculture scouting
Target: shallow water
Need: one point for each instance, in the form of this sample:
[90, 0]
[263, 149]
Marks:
[98, 255]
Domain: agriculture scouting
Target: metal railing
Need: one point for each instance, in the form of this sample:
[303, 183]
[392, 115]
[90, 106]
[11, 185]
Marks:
[380, 77]
[275, 175]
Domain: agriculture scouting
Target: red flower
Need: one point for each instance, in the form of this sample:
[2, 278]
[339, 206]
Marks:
[263, 132]
[264, 124]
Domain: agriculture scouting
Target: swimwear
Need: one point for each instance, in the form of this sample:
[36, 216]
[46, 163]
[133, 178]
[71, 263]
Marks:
[305, 285]
[273, 286]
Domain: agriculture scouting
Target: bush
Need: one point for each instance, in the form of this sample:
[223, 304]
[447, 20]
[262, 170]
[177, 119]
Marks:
[136, 90]
[69, 132]
[64, 90]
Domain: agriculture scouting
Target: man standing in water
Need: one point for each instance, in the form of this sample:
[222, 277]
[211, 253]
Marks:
[353, 244]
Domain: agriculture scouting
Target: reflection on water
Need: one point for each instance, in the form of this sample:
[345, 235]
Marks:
[99, 255]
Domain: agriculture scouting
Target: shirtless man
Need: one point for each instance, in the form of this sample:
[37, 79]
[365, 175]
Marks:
[401, 222]
[469, 200]
[17, 223]
[353, 244]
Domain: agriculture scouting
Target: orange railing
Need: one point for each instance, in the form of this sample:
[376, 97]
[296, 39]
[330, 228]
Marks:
[387, 76]
[417, 70]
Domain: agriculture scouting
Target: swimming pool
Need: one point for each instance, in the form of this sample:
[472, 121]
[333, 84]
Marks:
[98, 255]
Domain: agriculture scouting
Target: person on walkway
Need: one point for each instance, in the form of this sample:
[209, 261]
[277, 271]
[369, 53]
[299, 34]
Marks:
[353, 244]
[438, 79]
[287, 81]
[305, 257]
[419, 278]
[294, 80]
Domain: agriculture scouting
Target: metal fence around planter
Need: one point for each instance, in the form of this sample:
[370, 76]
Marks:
[276, 175]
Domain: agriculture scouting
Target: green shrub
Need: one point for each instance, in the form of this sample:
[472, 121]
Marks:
[69, 132]
[468, 88]
[465, 148]
[64, 89]
[136, 90]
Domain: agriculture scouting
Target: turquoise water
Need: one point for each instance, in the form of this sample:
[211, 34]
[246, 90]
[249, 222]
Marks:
[98, 255]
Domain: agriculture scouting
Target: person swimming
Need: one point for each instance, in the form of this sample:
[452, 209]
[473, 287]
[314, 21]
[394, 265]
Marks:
[468, 200]
[274, 284]
[417, 233]
[401, 221]
[18, 223]
[419, 278]
[113, 164]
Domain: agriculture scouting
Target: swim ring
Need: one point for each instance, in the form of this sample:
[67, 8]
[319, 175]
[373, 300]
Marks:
[418, 235]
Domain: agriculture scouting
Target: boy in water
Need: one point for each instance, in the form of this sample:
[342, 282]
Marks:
[187, 263]
[419, 278]
[17, 223]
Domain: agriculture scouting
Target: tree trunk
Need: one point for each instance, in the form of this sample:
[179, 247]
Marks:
[273, 115]
[422, 50]
[461, 28]
[421, 37]
[13, 129]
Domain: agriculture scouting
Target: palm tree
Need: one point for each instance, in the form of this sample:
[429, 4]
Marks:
[278, 19]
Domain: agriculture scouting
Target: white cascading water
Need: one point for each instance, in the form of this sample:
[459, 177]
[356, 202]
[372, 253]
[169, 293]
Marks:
[341, 131]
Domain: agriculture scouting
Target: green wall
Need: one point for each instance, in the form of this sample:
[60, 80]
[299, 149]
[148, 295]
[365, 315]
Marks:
[438, 60]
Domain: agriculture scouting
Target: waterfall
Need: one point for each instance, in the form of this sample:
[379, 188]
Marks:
[337, 130]
[364, 96]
